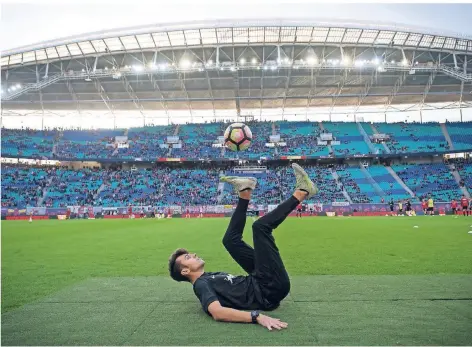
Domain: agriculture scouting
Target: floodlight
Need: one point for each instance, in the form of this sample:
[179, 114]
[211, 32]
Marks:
[138, 68]
[185, 64]
[242, 61]
[254, 60]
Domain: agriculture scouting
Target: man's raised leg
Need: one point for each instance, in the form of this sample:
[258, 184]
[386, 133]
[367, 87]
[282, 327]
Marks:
[239, 250]
[270, 269]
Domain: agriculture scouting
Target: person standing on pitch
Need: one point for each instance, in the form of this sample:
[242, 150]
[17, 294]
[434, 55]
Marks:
[431, 206]
[299, 210]
[225, 297]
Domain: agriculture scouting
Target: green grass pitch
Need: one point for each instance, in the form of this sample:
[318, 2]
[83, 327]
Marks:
[355, 281]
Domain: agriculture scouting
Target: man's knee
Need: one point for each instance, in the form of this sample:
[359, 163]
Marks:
[284, 286]
[260, 225]
[229, 240]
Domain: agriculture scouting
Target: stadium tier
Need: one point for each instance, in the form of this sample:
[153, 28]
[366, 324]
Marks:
[187, 187]
[434, 179]
[410, 138]
[27, 143]
[461, 134]
[195, 141]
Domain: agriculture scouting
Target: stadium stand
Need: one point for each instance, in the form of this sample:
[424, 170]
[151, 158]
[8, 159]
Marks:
[465, 171]
[387, 183]
[144, 142]
[356, 184]
[27, 143]
[322, 176]
[22, 187]
[301, 138]
[414, 137]
[378, 147]
[425, 179]
[197, 140]
[461, 134]
[87, 144]
[351, 141]
[160, 187]
[69, 187]
[268, 188]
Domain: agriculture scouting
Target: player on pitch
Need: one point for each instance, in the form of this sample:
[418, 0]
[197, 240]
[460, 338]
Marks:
[224, 296]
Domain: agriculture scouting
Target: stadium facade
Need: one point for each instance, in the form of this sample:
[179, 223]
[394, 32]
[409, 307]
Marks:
[192, 72]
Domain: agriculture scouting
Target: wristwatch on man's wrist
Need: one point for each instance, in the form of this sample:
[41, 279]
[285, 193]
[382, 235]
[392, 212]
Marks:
[254, 315]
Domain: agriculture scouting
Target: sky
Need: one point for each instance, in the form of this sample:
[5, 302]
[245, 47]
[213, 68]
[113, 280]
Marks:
[30, 23]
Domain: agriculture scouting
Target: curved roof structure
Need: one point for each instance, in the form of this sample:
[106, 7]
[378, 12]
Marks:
[242, 64]
[238, 32]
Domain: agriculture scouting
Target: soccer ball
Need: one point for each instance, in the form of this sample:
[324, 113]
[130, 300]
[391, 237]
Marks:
[238, 137]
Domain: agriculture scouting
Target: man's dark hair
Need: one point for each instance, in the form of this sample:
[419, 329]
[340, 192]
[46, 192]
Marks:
[175, 268]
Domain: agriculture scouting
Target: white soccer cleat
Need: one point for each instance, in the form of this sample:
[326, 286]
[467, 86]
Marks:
[240, 183]
[303, 181]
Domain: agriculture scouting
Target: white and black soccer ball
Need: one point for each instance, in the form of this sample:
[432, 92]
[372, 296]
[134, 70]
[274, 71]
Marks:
[238, 137]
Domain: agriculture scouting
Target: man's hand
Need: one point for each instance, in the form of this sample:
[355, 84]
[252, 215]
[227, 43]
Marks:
[269, 322]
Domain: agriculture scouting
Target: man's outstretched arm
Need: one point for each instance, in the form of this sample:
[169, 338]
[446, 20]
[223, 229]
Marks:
[226, 314]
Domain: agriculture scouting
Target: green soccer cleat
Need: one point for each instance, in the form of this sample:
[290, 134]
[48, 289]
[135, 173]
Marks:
[240, 183]
[303, 181]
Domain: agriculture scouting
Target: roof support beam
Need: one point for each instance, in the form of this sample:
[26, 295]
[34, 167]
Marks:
[154, 83]
[40, 91]
[72, 93]
[104, 96]
[396, 87]
[236, 91]
[287, 82]
[262, 82]
[366, 90]
[132, 95]
[210, 90]
[95, 64]
[313, 76]
[341, 84]
[182, 84]
[428, 87]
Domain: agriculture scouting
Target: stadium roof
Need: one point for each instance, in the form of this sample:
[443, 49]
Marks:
[242, 64]
[238, 32]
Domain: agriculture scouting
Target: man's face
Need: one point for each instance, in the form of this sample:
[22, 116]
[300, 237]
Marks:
[190, 262]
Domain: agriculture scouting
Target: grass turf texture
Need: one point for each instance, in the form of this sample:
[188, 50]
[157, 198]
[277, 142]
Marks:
[106, 282]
